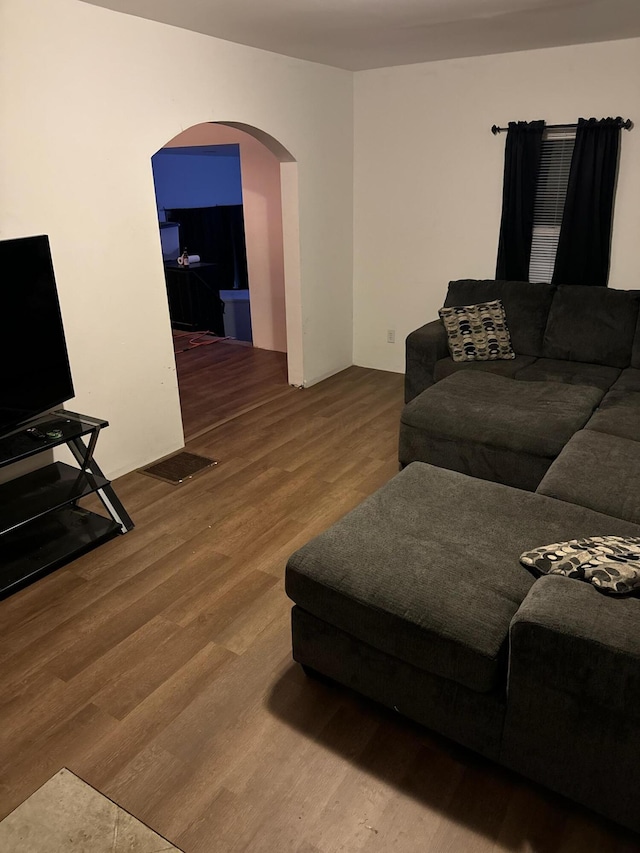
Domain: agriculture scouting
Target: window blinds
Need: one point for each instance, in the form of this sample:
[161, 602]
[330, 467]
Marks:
[551, 192]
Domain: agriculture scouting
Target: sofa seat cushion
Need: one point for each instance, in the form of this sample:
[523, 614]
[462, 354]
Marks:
[504, 367]
[427, 569]
[494, 427]
[600, 472]
[629, 380]
[592, 324]
[618, 414]
[570, 372]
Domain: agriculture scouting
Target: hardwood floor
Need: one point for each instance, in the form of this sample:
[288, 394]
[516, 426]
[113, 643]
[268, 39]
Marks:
[158, 667]
[219, 381]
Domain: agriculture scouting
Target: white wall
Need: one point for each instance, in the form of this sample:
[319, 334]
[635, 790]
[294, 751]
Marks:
[86, 97]
[262, 206]
[428, 174]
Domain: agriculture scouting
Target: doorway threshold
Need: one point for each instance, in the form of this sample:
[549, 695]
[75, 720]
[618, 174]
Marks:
[276, 396]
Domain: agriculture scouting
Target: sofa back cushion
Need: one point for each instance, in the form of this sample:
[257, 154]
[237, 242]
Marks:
[592, 324]
[526, 307]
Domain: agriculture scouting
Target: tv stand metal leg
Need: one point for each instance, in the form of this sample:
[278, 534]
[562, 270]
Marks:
[84, 457]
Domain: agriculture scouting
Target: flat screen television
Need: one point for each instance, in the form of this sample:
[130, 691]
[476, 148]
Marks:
[34, 366]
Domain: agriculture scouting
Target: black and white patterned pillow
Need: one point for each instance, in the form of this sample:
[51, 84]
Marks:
[477, 332]
[610, 563]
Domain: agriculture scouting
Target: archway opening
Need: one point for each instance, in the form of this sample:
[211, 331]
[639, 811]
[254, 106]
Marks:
[195, 192]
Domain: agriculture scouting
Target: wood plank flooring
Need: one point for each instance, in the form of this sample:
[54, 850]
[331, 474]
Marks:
[158, 667]
[221, 380]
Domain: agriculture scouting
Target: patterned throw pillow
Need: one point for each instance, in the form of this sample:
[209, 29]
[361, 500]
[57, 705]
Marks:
[477, 332]
[610, 563]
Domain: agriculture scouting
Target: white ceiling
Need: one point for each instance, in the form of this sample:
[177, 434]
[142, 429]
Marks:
[361, 34]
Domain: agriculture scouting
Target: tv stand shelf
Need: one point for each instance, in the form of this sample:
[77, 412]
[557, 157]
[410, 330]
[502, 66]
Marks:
[42, 525]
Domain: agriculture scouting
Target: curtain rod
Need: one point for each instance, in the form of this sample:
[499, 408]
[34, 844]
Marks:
[627, 124]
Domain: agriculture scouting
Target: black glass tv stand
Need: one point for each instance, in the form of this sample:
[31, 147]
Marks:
[42, 524]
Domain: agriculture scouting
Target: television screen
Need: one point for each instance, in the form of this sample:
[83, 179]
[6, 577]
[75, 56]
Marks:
[34, 366]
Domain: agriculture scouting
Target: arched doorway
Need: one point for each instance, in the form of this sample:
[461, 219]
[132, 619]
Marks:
[270, 210]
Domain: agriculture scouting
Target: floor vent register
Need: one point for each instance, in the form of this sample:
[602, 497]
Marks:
[176, 469]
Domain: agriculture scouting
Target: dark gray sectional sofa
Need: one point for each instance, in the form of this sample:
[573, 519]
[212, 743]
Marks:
[567, 333]
[417, 598]
[580, 346]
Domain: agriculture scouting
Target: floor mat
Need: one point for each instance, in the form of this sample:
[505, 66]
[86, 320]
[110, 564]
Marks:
[66, 815]
[176, 469]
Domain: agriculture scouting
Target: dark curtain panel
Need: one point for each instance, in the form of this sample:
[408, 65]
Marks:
[217, 235]
[584, 246]
[521, 164]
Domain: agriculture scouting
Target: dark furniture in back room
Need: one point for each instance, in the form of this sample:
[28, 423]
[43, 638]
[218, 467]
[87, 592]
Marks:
[194, 298]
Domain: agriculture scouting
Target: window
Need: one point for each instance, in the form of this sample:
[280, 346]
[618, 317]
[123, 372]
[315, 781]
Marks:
[551, 192]
[567, 193]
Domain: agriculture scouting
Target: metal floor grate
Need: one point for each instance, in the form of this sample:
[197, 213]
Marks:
[176, 469]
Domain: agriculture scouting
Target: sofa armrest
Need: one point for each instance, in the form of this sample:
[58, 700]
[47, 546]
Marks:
[573, 705]
[574, 639]
[424, 347]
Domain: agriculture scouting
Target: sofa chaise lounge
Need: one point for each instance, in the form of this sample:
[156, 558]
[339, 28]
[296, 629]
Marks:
[418, 600]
